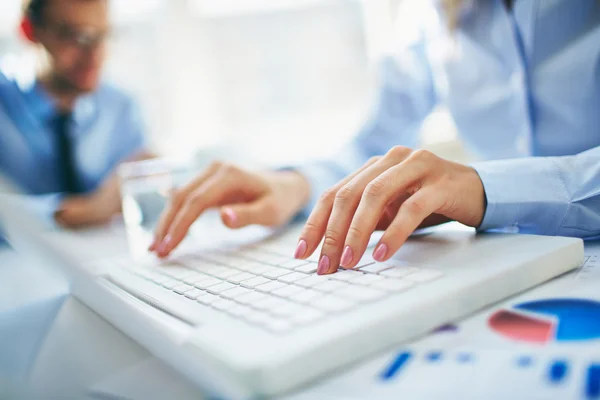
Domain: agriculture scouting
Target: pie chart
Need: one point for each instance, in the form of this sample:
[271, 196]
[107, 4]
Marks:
[549, 320]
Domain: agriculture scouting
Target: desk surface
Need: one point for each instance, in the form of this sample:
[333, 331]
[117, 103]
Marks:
[68, 335]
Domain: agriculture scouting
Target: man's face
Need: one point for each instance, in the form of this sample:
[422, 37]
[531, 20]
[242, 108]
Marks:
[73, 33]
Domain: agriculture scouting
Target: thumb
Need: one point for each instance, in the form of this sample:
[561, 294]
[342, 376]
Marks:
[261, 212]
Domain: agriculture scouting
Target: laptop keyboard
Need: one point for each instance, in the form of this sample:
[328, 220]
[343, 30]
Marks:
[277, 292]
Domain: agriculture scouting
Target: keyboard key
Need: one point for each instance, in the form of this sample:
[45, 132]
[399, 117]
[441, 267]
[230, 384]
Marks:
[221, 287]
[274, 273]
[398, 272]
[240, 277]
[393, 285]
[312, 280]
[224, 304]
[330, 286]
[225, 273]
[181, 289]
[292, 277]
[257, 317]
[194, 293]
[270, 286]
[208, 299]
[176, 272]
[309, 268]
[374, 268]
[269, 303]
[366, 259]
[170, 284]
[239, 310]
[251, 298]
[293, 264]
[208, 282]
[286, 309]
[360, 293]
[366, 279]
[424, 275]
[278, 326]
[193, 278]
[235, 292]
[306, 296]
[346, 275]
[257, 268]
[287, 291]
[307, 315]
[252, 283]
[332, 303]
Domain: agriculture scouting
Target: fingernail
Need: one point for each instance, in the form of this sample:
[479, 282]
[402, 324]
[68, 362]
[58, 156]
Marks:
[323, 265]
[380, 252]
[346, 257]
[163, 248]
[301, 249]
[231, 215]
[154, 244]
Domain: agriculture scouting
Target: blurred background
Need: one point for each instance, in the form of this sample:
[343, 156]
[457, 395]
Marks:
[280, 81]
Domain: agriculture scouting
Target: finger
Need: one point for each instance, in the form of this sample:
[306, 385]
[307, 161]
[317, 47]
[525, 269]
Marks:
[411, 214]
[396, 181]
[207, 195]
[175, 203]
[345, 205]
[260, 212]
[314, 228]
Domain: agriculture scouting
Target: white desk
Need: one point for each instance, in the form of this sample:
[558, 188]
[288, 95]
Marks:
[57, 347]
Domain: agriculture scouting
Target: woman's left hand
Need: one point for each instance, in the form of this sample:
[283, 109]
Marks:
[398, 193]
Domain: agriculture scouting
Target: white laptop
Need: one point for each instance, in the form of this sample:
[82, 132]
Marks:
[247, 321]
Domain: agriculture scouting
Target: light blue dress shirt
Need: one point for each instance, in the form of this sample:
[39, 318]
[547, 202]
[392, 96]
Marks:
[106, 131]
[523, 88]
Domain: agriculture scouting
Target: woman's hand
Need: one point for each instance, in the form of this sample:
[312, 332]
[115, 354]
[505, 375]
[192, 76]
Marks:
[244, 198]
[398, 193]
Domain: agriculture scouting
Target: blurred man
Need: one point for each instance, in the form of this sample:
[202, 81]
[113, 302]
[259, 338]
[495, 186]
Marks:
[63, 133]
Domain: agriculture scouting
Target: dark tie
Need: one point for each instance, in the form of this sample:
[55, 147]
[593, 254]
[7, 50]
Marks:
[65, 156]
[509, 4]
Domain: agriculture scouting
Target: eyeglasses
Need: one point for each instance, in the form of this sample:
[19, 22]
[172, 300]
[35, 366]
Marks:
[80, 38]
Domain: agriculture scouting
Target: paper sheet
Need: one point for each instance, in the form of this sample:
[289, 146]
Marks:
[526, 347]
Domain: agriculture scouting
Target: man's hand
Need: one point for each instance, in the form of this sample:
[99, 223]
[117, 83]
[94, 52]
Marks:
[243, 197]
[398, 193]
[97, 208]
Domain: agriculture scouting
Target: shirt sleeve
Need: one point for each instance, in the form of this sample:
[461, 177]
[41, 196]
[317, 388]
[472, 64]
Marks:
[405, 97]
[544, 195]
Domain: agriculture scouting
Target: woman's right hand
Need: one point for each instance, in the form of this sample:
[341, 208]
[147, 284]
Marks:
[243, 197]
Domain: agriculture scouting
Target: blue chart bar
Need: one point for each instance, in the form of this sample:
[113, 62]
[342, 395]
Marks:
[524, 361]
[396, 366]
[592, 386]
[434, 356]
[558, 371]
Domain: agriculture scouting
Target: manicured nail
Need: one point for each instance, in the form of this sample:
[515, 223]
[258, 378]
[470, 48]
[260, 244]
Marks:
[231, 215]
[347, 256]
[323, 265]
[165, 245]
[380, 252]
[301, 249]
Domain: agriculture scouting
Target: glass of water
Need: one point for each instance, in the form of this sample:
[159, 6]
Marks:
[146, 187]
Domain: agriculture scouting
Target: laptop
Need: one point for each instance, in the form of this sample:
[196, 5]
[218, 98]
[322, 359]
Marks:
[244, 319]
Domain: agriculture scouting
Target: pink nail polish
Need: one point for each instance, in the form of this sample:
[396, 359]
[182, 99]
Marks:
[347, 256]
[323, 265]
[165, 245]
[231, 215]
[380, 252]
[301, 249]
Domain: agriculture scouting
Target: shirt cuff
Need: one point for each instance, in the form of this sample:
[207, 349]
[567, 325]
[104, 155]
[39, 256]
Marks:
[527, 194]
[44, 207]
